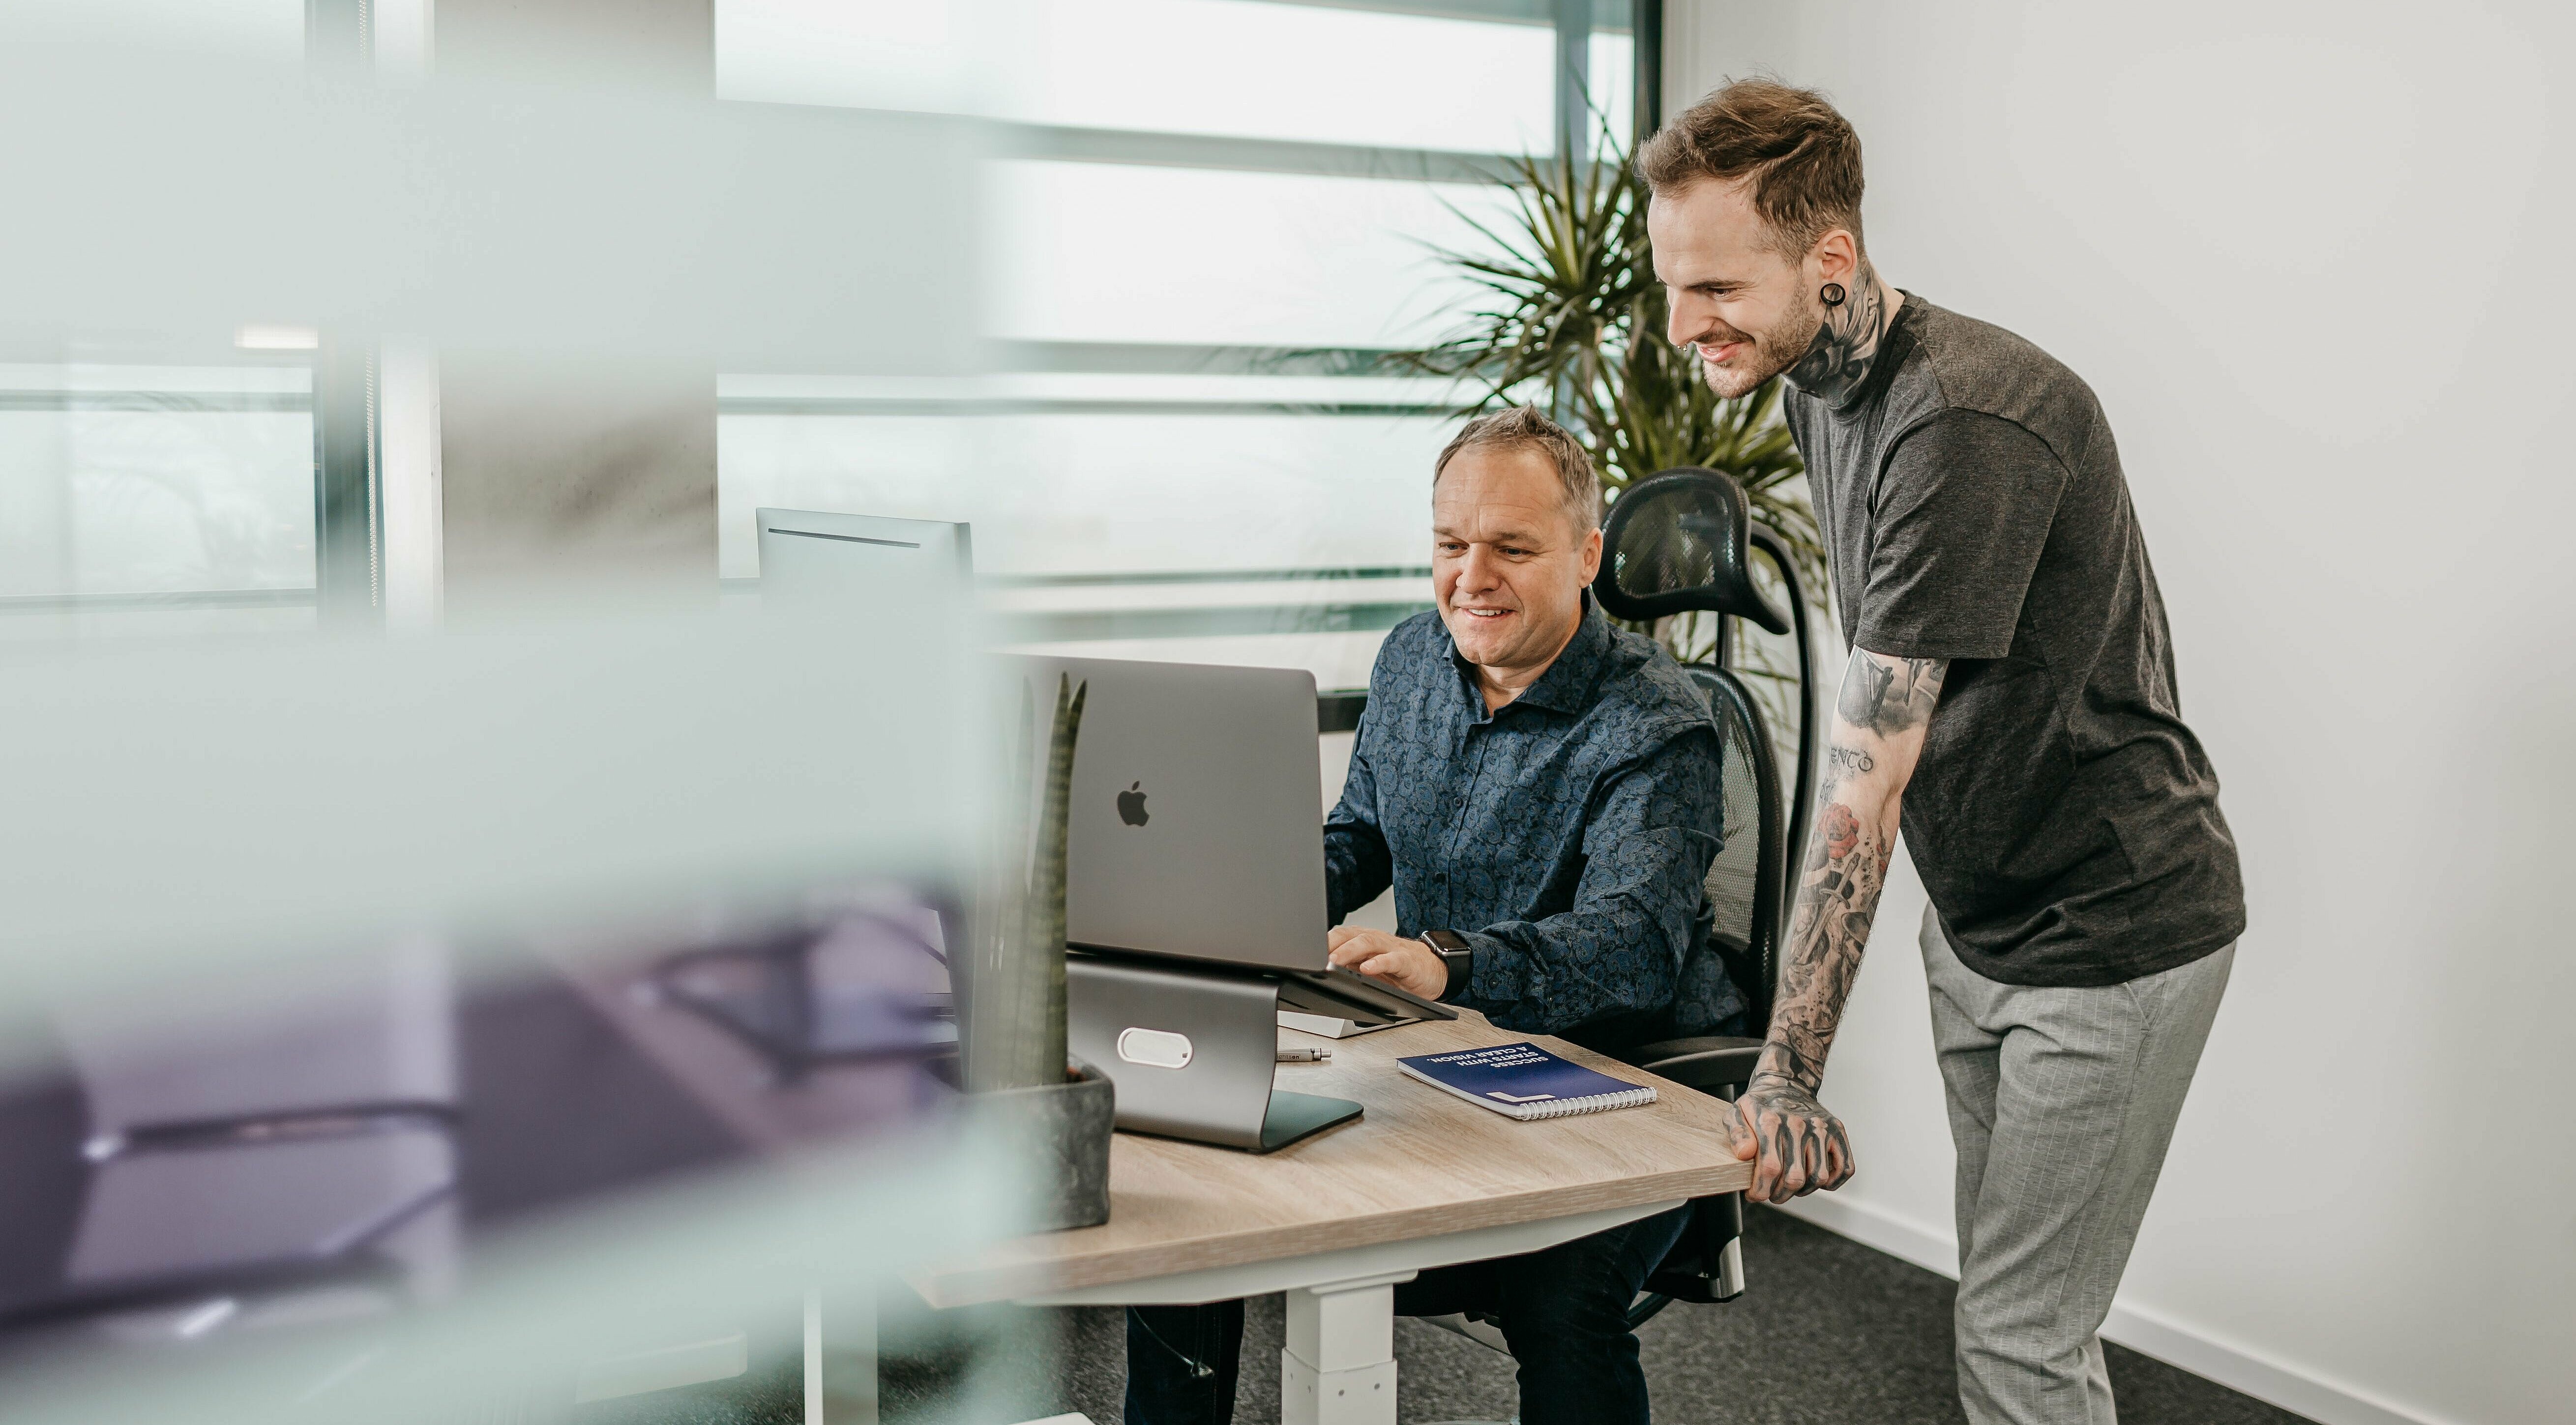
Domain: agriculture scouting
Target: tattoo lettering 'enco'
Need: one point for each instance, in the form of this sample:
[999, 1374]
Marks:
[1890, 695]
[1846, 346]
[1849, 761]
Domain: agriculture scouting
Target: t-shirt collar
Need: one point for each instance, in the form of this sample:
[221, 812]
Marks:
[1883, 366]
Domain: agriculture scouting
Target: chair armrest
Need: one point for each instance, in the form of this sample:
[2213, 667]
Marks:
[1710, 1062]
[1706, 1265]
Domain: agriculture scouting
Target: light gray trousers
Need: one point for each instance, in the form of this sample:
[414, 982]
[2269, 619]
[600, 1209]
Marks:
[2062, 1102]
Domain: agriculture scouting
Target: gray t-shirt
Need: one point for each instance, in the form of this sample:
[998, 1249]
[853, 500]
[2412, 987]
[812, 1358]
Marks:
[2063, 818]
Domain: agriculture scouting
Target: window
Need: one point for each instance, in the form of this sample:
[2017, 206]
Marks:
[158, 487]
[155, 498]
[1186, 448]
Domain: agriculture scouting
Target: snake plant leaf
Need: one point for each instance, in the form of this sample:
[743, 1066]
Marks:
[1044, 982]
[994, 1009]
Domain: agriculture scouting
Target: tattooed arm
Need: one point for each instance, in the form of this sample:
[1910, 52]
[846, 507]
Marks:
[1877, 734]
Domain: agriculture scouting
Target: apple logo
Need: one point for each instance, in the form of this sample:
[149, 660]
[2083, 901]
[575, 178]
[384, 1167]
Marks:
[1131, 805]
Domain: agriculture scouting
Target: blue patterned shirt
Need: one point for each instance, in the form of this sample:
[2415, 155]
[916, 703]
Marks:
[1565, 835]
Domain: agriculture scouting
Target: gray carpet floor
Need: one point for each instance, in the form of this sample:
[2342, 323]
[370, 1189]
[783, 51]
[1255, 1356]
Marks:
[1830, 1333]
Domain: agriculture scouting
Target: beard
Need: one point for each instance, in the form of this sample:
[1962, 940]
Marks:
[1772, 351]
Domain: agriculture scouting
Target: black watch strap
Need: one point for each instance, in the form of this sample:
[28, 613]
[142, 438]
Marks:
[1456, 954]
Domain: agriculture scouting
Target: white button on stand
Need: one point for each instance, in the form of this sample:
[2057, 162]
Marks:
[1154, 1048]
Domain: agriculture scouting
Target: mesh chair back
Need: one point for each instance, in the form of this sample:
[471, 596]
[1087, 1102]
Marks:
[1678, 543]
[1744, 882]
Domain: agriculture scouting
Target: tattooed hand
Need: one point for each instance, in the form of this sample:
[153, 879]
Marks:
[1795, 1145]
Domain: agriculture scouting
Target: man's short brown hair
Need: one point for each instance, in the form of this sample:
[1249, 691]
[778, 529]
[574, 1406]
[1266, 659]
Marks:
[1525, 428]
[1799, 152]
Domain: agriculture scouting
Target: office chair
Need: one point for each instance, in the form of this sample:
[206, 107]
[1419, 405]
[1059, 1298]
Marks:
[1681, 542]
[1676, 543]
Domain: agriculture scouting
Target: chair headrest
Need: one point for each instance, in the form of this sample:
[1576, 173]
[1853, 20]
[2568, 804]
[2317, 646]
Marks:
[1676, 542]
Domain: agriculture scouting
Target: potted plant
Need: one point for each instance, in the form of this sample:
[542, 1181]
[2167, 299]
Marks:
[1021, 1081]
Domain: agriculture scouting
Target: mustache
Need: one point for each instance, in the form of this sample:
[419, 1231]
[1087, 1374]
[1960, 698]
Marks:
[1720, 335]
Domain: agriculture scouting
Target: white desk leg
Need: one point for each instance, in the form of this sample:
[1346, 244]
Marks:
[1339, 1366]
[840, 1358]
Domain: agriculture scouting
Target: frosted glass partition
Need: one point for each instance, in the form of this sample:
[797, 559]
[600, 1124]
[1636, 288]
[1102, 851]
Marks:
[1102, 493]
[1210, 223]
[1256, 70]
[264, 29]
[931, 56]
[1116, 252]
[1237, 68]
[1279, 539]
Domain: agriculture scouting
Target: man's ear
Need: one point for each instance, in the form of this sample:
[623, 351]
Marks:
[1835, 257]
[1592, 554]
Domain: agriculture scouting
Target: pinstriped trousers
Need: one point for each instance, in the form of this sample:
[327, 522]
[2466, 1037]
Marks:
[2062, 1102]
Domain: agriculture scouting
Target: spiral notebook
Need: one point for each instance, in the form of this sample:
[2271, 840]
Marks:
[1524, 1081]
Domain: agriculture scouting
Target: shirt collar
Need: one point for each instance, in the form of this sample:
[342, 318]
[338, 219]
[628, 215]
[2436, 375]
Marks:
[1566, 686]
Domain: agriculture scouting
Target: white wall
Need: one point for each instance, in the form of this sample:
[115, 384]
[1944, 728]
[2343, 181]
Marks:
[2307, 256]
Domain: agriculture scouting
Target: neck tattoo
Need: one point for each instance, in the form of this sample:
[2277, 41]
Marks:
[1846, 346]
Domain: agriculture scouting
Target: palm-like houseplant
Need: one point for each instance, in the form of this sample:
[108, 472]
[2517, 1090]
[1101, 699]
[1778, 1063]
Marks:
[1568, 316]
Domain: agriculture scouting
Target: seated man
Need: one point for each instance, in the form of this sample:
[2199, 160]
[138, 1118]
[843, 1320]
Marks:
[1542, 791]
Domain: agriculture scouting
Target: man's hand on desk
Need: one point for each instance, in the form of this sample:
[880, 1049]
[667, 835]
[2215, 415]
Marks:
[1408, 965]
[1795, 1145]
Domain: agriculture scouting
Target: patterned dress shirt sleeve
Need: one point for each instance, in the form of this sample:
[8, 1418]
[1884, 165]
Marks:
[1618, 950]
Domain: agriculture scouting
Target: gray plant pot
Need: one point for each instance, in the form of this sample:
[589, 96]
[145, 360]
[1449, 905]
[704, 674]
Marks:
[1068, 1127]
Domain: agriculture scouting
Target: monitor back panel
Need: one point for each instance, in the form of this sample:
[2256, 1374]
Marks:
[812, 552]
[1194, 827]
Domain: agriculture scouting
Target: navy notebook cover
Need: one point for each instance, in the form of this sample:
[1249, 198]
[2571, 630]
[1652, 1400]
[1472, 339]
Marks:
[1524, 1081]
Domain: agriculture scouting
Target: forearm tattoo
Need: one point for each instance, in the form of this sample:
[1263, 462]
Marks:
[1846, 862]
[1846, 346]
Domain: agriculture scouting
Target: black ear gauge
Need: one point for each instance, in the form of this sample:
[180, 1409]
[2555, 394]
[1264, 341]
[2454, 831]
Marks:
[1832, 294]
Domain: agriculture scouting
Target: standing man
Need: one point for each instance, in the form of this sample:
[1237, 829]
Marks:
[2009, 703]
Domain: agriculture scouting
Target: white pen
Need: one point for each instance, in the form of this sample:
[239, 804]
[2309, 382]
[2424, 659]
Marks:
[1305, 1056]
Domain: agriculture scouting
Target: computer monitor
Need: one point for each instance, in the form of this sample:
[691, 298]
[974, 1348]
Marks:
[1194, 821]
[810, 551]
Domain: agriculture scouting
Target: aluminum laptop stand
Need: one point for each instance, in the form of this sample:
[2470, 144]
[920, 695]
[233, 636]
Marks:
[1193, 1051]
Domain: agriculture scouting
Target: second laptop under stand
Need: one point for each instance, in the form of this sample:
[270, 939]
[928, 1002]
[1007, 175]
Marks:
[1336, 1004]
[1193, 1052]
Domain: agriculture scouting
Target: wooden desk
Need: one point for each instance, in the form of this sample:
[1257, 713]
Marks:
[1422, 1180]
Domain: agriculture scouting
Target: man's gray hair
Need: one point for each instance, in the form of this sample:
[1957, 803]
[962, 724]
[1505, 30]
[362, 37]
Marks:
[1524, 427]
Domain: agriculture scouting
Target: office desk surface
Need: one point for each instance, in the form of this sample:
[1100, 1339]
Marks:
[1419, 1163]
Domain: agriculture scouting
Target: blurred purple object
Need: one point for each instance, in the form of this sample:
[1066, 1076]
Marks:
[347, 1143]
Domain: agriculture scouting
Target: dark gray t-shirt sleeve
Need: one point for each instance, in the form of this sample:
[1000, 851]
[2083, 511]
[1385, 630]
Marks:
[1964, 505]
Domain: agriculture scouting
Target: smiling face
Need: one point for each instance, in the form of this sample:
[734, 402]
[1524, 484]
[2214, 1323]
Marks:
[1509, 561]
[1750, 311]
